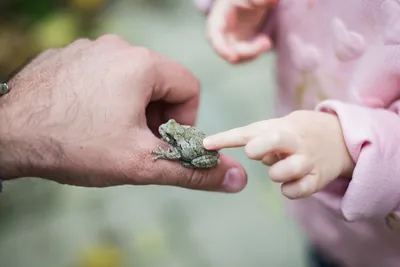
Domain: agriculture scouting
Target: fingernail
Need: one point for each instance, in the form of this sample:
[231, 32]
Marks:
[298, 190]
[207, 142]
[304, 187]
[233, 182]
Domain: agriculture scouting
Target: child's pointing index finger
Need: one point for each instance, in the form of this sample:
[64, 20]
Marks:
[236, 137]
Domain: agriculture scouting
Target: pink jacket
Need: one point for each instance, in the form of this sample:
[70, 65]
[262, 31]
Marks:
[343, 57]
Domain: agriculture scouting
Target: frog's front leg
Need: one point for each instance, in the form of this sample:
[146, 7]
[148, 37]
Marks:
[206, 161]
[171, 153]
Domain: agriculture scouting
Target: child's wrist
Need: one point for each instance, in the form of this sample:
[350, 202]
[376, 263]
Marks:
[348, 163]
[348, 166]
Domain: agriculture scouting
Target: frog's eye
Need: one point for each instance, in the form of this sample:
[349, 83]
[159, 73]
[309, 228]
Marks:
[169, 137]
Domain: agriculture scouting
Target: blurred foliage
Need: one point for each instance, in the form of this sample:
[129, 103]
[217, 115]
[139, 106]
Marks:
[28, 27]
[102, 255]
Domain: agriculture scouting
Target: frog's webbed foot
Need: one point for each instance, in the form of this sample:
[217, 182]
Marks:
[206, 161]
[171, 153]
[165, 139]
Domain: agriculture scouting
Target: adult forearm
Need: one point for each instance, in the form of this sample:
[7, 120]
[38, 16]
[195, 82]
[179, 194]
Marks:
[8, 147]
[22, 152]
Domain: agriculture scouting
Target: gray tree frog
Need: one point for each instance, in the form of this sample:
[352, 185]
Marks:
[186, 145]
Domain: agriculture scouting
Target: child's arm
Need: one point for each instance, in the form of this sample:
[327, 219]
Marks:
[239, 30]
[371, 130]
[372, 137]
[309, 150]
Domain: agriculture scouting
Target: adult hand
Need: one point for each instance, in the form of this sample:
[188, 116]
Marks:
[87, 115]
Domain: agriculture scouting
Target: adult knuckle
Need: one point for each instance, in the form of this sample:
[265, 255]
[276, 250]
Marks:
[199, 180]
[144, 59]
[79, 43]
[194, 180]
[113, 41]
[111, 38]
[178, 178]
[43, 55]
[146, 56]
[48, 52]
[143, 51]
[191, 81]
[195, 82]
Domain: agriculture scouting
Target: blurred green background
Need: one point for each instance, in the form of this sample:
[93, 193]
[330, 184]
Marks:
[43, 224]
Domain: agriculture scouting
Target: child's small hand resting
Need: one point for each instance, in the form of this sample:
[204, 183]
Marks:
[232, 28]
[306, 150]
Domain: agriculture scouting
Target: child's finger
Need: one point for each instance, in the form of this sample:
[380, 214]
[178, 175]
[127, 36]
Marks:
[252, 48]
[244, 3]
[263, 3]
[220, 45]
[217, 31]
[254, 3]
[235, 137]
[277, 140]
[270, 159]
[304, 187]
[291, 168]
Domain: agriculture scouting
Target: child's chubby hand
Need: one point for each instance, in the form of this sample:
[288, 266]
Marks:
[305, 149]
[232, 28]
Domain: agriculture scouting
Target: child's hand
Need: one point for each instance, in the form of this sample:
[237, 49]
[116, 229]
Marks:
[232, 28]
[306, 150]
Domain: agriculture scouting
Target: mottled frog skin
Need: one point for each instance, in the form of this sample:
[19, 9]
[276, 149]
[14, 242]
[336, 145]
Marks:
[186, 145]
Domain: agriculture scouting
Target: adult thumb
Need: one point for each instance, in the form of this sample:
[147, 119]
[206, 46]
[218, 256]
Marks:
[228, 176]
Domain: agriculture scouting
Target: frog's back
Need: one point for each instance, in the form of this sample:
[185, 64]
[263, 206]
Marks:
[193, 146]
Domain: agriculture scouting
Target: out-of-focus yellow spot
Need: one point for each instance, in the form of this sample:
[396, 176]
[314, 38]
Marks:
[102, 256]
[149, 244]
[56, 30]
[14, 48]
[87, 4]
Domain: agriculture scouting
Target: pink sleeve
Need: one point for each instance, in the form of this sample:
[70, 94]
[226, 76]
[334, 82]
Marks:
[372, 136]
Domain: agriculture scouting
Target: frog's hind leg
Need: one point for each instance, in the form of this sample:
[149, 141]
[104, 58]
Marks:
[188, 165]
[206, 161]
[171, 153]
